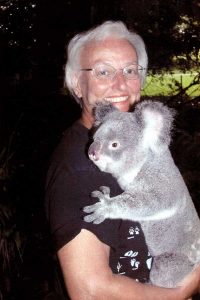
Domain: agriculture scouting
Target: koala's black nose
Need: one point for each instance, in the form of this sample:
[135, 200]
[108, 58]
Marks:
[94, 150]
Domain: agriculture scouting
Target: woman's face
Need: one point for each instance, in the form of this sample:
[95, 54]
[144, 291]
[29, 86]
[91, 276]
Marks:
[122, 92]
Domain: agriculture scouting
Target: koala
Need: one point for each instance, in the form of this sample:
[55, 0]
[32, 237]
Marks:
[134, 148]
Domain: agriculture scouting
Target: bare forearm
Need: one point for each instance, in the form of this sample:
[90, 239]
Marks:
[87, 275]
[118, 287]
[121, 287]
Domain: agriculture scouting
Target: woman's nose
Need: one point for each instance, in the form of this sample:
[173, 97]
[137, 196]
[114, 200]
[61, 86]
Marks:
[119, 80]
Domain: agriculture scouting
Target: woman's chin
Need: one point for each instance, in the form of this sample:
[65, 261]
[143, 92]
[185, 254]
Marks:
[122, 106]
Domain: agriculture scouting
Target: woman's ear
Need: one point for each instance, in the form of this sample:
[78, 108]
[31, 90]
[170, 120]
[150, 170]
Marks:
[77, 87]
[137, 97]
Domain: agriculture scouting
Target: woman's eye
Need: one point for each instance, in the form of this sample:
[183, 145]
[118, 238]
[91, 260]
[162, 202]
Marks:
[103, 73]
[131, 71]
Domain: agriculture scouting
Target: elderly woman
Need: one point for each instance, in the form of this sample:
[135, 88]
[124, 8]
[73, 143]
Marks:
[109, 260]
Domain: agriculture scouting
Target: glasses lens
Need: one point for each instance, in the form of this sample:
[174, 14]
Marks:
[132, 71]
[104, 71]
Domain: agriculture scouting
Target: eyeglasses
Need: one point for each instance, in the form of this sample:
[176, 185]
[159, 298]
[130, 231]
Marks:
[105, 71]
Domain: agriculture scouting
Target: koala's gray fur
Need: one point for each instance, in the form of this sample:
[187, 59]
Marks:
[133, 147]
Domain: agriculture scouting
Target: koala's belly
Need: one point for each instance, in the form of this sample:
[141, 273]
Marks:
[167, 236]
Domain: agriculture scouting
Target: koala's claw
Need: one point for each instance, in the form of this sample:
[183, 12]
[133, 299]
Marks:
[99, 220]
[105, 190]
[98, 211]
[94, 218]
[103, 194]
[92, 208]
[89, 218]
[97, 194]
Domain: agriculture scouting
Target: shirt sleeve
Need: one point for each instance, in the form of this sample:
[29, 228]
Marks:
[68, 191]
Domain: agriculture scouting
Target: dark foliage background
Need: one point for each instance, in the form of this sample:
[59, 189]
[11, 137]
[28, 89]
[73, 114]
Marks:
[35, 110]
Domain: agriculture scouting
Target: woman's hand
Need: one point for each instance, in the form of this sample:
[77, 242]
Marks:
[191, 284]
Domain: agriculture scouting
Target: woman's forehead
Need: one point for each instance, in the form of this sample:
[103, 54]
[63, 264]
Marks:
[109, 50]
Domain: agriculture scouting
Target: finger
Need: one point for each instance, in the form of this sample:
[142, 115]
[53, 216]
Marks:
[105, 190]
[88, 209]
[92, 208]
[96, 194]
[89, 218]
[99, 220]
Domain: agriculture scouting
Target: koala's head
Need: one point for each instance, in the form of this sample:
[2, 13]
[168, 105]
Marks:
[124, 139]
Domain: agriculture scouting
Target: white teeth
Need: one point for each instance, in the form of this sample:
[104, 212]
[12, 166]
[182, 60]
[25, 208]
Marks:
[116, 99]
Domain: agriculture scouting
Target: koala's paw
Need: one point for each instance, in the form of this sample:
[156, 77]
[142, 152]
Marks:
[103, 194]
[98, 211]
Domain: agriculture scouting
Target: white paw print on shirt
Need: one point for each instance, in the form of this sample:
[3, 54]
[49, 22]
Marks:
[133, 231]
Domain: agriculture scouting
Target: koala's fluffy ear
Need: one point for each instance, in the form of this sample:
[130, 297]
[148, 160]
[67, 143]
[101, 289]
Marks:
[156, 121]
[101, 111]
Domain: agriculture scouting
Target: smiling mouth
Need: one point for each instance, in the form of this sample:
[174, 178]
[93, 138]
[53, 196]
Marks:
[116, 99]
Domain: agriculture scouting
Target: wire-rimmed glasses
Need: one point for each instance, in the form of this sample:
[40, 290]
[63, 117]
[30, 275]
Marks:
[106, 71]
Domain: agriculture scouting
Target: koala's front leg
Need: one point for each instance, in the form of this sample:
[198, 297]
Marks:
[100, 210]
[113, 208]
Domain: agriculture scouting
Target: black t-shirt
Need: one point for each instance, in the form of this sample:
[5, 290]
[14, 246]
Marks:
[71, 179]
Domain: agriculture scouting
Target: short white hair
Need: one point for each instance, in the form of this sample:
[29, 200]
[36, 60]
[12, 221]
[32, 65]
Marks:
[114, 29]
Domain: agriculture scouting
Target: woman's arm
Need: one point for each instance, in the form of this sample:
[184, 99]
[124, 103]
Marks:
[85, 266]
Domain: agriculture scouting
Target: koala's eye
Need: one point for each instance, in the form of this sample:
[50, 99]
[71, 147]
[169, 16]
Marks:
[114, 145]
